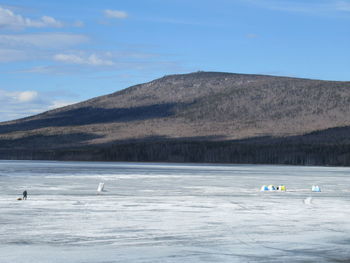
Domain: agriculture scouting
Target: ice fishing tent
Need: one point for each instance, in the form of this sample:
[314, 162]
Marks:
[271, 187]
[315, 188]
[100, 187]
[264, 188]
[282, 188]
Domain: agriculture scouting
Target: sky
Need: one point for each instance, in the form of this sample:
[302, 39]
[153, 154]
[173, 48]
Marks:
[54, 53]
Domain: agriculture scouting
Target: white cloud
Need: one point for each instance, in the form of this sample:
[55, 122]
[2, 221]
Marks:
[37, 69]
[45, 40]
[69, 58]
[18, 96]
[66, 69]
[115, 14]
[9, 55]
[91, 65]
[49, 21]
[97, 61]
[26, 96]
[19, 104]
[91, 60]
[35, 47]
[8, 19]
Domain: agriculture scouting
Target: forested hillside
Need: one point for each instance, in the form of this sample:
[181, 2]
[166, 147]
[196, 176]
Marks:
[197, 117]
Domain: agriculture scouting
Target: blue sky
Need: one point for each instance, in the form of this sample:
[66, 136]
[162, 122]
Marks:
[53, 53]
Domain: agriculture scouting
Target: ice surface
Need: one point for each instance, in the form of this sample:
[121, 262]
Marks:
[172, 213]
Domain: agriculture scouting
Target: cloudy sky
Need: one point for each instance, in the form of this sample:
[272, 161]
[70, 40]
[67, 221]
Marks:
[53, 53]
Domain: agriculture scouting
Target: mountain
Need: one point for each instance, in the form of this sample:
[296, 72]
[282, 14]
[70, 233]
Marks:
[199, 117]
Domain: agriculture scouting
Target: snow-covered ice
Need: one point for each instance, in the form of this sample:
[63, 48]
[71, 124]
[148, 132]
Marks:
[172, 213]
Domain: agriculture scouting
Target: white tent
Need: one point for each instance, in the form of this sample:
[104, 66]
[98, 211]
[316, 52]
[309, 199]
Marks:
[100, 187]
[315, 188]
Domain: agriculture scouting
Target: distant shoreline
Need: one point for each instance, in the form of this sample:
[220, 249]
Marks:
[269, 151]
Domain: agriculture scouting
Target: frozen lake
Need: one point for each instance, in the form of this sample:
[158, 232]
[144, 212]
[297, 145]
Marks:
[172, 213]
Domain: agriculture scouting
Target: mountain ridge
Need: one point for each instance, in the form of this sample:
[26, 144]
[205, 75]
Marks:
[202, 106]
[218, 74]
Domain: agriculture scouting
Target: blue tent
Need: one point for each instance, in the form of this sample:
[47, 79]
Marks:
[264, 188]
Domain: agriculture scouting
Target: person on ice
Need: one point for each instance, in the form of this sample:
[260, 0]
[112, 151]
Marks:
[25, 195]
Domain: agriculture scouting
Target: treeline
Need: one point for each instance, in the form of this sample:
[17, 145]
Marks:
[240, 152]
